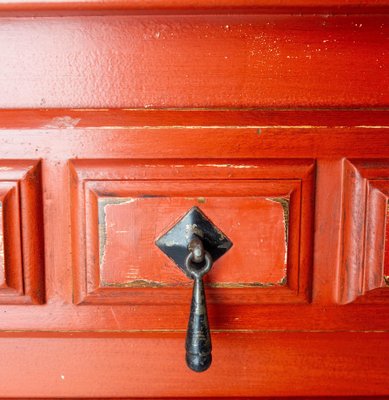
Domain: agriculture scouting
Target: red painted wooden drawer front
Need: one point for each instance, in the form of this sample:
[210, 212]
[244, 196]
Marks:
[281, 301]
[114, 124]
[127, 206]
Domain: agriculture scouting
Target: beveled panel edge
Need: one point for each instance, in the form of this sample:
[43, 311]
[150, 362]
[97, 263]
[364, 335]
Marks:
[27, 176]
[83, 170]
[360, 273]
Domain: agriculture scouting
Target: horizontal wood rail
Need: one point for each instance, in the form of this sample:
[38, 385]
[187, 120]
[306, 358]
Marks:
[125, 119]
[184, 6]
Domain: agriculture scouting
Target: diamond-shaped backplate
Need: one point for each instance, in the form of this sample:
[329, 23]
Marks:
[194, 223]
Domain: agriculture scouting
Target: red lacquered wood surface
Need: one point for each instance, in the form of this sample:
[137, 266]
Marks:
[117, 117]
[193, 6]
[234, 144]
[194, 61]
[307, 344]
[150, 365]
[227, 210]
[288, 183]
[21, 233]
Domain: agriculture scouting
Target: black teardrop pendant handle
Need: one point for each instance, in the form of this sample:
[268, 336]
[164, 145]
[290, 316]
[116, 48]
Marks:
[198, 337]
[194, 243]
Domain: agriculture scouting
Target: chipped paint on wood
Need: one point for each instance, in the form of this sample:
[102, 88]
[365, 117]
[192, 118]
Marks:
[200, 200]
[236, 166]
[162, 127]
[284, 202]
[140, 283]
[71, 123]
[386, 246]
[143, 283]
[103, 203]
[62, 122]
[233, 285]
[127, 234]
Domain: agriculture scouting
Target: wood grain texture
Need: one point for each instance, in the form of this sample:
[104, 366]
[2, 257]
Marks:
[229, 61]
[125, 365]
[188, 180]
[234, 141]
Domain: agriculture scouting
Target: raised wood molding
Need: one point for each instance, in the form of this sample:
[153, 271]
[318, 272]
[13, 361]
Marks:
[102, 101]
[21, 233]
[56, 136]
[365, 218]
[95, 179]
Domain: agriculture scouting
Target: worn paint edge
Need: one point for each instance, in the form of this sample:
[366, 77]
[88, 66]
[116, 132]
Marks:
[145, 283]
[285, 203]
[137, 283]
[102, 203]
[286, 331]
[386, 277]
[233, 285]
[164, 127]
[217, 109]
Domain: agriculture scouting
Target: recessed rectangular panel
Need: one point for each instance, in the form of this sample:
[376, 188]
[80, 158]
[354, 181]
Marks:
[120, 216]
[129, 226]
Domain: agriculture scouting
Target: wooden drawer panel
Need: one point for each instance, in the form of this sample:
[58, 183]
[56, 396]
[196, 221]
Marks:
[140, 111]
[237, 160]
[265, 209]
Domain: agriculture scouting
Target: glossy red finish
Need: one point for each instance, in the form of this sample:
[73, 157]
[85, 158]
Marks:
[54, 139]
[145, 271]
[239, 196]
[149, 365]
[229, 61]
[21, 233]
[115, 118]
[193, 6]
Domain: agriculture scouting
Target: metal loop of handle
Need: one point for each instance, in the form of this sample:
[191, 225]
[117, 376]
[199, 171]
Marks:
[198, 338]
[193, 269]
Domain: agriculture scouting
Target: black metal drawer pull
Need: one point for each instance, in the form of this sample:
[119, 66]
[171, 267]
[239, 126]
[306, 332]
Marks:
[194, 243]
[198, 338]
